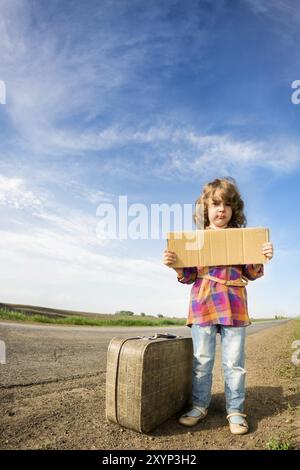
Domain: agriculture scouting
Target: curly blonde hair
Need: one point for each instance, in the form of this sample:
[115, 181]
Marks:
[229, 194]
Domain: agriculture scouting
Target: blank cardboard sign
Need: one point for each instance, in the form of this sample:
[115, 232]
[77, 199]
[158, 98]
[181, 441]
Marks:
[218, 247]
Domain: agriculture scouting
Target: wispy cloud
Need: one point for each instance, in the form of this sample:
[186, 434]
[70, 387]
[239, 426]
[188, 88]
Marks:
[282, 16]
[45, 268]
[46, 214]
[86, 262]
[54, 257]
[68, 71]
[185, 152]
[13, 192]
[60, 90]
[57, 246]
[225, 151]
[274, 9]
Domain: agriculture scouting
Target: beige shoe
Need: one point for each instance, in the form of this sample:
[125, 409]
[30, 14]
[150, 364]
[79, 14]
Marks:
[241, 428]
[187, 420]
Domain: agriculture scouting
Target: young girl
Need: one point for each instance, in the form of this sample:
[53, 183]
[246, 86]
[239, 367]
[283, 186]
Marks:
[216, 306]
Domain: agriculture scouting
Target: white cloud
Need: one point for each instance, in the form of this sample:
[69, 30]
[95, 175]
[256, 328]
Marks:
[273, 8]
[55, 258]
[218, 149]
[45, 214]
[74, 256]
[49, 83]
[195, 154]
[187, 152]
[45, 268]
[96, 196]
[282, 17]
[63, 239]
[53, 83]
[13, 192]
[64, 70]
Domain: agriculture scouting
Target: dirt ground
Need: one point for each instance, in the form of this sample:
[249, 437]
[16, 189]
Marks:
[71, 414]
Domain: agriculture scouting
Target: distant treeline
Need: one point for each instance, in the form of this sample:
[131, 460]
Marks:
[129, 313]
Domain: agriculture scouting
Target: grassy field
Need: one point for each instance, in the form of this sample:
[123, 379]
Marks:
[289, 369]
[29, 313]
[24, 313]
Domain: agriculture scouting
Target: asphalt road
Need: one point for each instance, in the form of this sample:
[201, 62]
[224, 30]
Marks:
[40, 354]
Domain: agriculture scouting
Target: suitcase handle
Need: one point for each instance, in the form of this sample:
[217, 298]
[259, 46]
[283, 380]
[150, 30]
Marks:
[160, 335]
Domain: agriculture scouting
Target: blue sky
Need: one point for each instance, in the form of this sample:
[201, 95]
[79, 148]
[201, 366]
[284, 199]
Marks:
[148, 99]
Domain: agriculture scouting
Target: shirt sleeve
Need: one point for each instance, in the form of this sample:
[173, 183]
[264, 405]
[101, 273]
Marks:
[189, 275]
[250, 273]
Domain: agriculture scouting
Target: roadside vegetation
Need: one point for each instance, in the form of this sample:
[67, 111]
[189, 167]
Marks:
[289, 368]
[276, 444]
[27, 313]
[109, 320]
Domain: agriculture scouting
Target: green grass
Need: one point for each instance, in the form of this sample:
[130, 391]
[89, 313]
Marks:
[254, 320]
[296, 333]
[287, 368]
[5, 314]
[276, 444]
[290, 371]
[85, 320]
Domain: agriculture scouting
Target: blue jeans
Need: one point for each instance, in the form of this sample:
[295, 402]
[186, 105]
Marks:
[233, 359]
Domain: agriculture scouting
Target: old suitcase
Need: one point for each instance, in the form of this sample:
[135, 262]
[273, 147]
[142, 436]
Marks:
[148, 380]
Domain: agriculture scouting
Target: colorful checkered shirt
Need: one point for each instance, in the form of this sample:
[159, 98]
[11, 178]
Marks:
[213, 303]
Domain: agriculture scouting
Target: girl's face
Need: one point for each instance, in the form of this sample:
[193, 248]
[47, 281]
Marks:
[219, 213]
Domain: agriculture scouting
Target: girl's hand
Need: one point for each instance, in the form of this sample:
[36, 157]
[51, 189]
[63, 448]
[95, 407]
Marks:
[267, 250]
[169, 257]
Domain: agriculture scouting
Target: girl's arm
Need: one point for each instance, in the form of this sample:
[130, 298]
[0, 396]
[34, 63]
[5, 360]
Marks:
[253, 271]
[189, 275]
[184, 275]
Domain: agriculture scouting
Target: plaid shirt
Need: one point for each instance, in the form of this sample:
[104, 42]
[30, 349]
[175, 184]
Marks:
[213, 303]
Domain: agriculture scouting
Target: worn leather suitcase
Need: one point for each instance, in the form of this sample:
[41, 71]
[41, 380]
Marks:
[148, 380]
